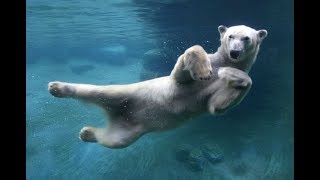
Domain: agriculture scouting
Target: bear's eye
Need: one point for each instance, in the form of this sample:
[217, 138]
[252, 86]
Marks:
[246, 38]
[231, 37]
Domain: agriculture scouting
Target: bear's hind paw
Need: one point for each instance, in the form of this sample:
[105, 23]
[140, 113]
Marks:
[87, 134]
[60, 89]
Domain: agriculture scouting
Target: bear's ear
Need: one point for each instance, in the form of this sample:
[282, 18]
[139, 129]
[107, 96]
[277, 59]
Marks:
[222, 29]
[262, 34]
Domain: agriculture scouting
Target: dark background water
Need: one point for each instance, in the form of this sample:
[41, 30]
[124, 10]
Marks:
[98, 41]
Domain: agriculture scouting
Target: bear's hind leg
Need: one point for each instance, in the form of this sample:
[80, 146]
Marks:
[231, 87]
[117, 135]
[105, 96]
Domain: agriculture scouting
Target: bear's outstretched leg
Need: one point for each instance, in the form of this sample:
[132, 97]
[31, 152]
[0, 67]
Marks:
[233, 85]
[118, 134]
[193, 64]
[112, 95]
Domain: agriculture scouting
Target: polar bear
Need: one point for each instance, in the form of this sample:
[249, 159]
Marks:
[199, 83]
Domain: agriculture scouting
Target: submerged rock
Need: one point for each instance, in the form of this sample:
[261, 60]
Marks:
[81, 69]
[212, 153]
[114, 49]
[196, 161]
[112, 54]
[196, 158]
[158, 60]
[183, 153]
[147, 75]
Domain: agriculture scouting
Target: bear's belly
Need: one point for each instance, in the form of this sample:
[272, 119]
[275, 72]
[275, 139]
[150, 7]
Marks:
[156, 116]
[163, 104]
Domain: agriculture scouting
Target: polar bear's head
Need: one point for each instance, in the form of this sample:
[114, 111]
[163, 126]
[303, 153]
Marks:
[241, 42]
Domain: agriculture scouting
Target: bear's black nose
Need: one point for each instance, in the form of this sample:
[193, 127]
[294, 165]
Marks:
[234, 54]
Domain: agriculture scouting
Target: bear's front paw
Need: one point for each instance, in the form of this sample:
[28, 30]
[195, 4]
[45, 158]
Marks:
[60, 89]
[197, 62]
[87, 134]
[204, 73]
[234, 77]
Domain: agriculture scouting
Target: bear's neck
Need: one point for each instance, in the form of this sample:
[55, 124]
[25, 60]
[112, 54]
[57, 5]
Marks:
[244, 65]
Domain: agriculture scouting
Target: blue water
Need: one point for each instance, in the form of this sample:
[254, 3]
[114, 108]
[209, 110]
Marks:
[126, 41]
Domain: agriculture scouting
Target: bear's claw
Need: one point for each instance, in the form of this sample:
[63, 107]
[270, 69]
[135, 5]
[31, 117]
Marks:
[205, 77]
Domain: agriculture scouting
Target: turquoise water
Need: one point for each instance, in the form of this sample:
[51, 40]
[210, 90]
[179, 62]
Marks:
[126, 41]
